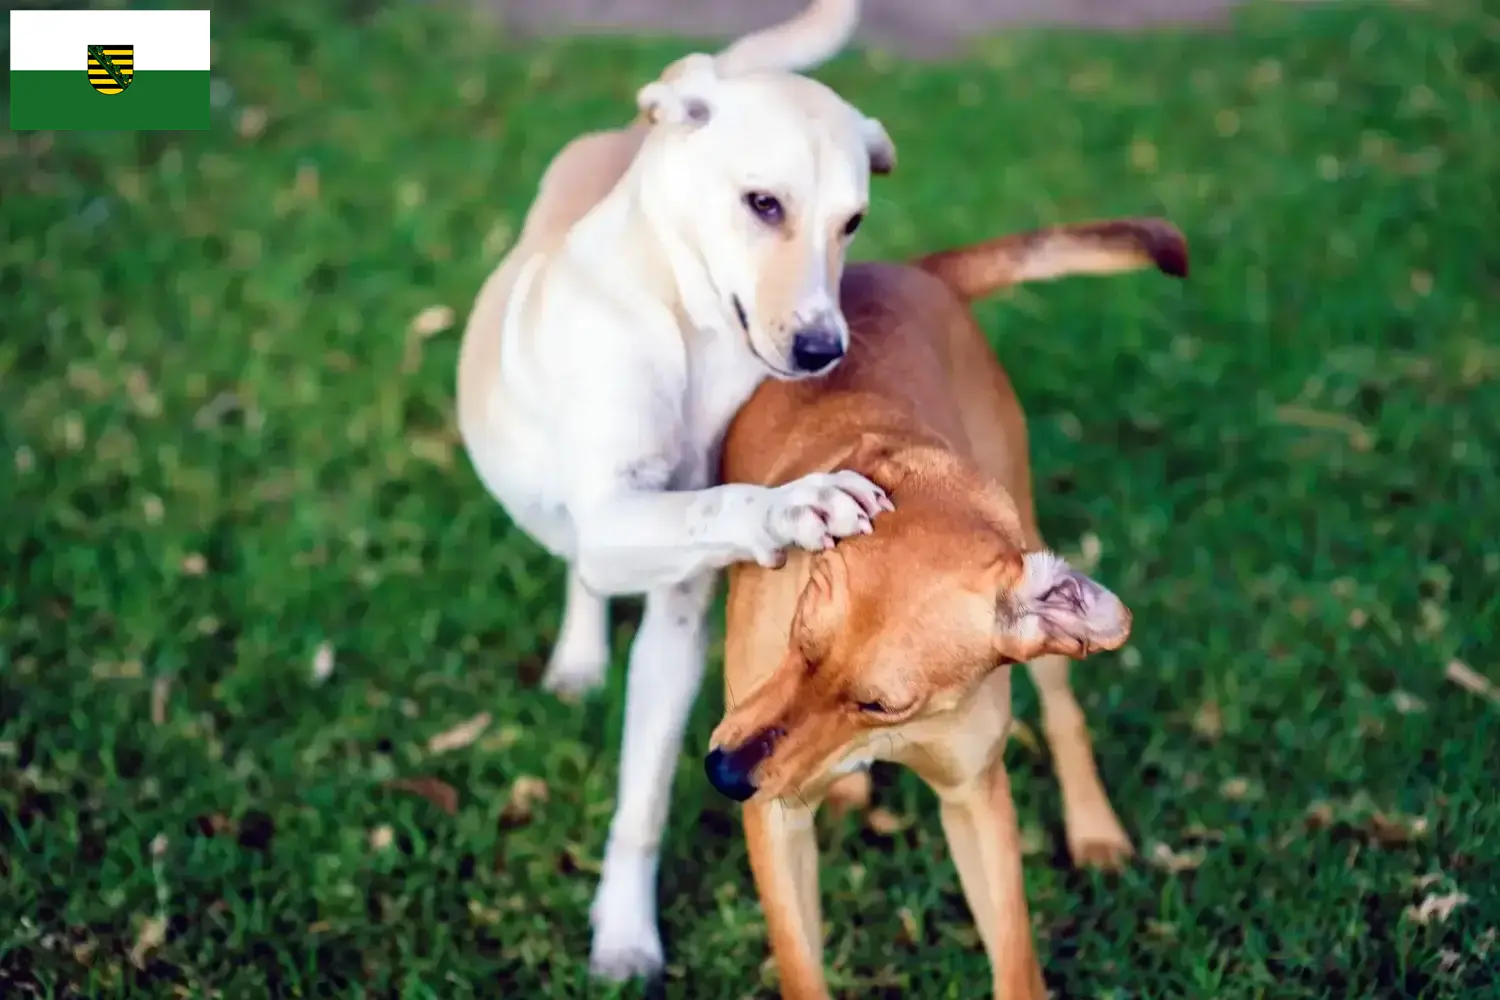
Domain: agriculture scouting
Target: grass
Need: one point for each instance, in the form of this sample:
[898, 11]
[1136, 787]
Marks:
[227, 457]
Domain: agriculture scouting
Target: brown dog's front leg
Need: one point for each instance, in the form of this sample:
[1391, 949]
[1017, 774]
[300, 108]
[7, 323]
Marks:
[979, 820]
[783, 849]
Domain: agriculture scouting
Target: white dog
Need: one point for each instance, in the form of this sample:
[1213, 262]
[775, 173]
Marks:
[663, 271]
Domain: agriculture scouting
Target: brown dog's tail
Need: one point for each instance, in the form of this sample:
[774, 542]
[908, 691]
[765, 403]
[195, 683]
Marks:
[812, 37]
[1106, 247]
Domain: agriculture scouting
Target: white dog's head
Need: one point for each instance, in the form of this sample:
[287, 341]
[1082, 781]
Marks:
[761, 180]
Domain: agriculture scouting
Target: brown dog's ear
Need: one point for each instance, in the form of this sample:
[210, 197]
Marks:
[1053, 608]
[882, 149]
[870, 455]
[872, 451]
[681, 95]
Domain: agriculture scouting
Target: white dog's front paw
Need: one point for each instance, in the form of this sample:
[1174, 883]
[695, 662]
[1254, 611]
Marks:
[626, 943]
[815, 511]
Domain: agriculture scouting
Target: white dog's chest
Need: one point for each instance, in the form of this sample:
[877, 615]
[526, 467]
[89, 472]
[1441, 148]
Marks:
[673, 446]
[722, 375]
[684, 454]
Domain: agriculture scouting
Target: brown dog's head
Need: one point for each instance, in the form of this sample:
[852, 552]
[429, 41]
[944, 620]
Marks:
[899, 626]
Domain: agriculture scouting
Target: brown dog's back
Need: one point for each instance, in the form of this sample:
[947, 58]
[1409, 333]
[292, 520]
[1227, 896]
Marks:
[918, 365]
[918, 355]
[901, 322]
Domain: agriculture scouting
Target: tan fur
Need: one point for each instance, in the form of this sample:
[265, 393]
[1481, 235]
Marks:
[581, 174]
[648, 293]
[907, 615]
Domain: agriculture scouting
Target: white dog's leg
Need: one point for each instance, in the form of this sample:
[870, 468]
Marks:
[644, 541]
[666, 669]
[581, 656]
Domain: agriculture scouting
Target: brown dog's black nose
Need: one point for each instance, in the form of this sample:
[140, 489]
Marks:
[730, 771]
[816, 349]
[727, 772]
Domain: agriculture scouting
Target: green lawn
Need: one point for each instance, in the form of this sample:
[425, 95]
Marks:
[227, 455]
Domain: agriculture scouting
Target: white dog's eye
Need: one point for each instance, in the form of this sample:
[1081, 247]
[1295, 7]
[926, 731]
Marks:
[853, 223]
[766, 207]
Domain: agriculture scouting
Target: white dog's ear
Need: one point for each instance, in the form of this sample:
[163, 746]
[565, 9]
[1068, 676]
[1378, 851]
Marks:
[681, 95]
[878, 142]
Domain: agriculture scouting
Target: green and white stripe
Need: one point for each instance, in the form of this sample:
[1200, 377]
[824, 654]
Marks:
[49, 69]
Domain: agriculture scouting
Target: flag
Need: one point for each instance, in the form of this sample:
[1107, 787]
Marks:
[109, 69]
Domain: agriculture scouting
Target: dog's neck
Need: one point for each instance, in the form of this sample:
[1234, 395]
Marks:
[616, 241]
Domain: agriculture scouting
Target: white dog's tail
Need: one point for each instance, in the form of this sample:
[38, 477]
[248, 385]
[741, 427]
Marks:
[812, 37]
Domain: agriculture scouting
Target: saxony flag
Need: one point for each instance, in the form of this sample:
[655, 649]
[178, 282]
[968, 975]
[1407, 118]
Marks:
[109, 69]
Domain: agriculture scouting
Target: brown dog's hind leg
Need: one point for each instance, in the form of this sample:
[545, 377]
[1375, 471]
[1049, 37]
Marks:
[1095, 837]
[849, 794]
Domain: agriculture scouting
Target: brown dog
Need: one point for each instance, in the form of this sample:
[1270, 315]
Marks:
[897, 645]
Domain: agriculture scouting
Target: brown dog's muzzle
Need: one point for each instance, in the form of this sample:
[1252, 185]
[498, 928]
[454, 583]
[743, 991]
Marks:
[732, 771]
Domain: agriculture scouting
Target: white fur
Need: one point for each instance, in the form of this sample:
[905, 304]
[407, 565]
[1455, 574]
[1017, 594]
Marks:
[581, 655]
[666, 670]
[601, 368]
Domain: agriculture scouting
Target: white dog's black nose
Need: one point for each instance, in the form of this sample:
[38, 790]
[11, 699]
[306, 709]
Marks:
[816, 349]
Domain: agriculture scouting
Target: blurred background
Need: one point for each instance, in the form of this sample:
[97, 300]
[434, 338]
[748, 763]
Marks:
[933, 28]
[268, 653]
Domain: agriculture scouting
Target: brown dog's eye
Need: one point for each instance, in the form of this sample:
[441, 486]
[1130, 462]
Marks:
[853, 223]
[766, 207]
[872, 707]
